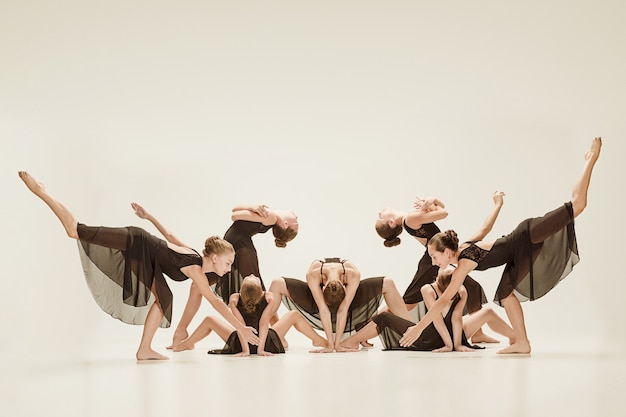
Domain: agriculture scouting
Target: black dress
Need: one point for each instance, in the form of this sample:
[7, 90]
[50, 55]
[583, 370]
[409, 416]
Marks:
[239, 234]
[391, 328]
[121, 265]
[537, 255]
[233, 345]
[364, 305]
[427, 273]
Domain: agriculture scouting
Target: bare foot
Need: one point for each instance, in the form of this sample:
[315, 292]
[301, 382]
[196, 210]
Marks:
[521, 347]
[350, 346]
[184, 345]
[483, 338]
[594, 151]
[179, 336]
[321, 342]
[35, 186]
[367, 344]
[149, 354]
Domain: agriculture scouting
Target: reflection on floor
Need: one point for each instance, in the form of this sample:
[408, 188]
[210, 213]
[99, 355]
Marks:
[367, 383]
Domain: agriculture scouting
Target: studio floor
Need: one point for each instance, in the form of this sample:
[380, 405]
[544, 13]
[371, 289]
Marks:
[553, 380]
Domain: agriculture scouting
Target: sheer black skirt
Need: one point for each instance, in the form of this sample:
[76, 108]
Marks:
[365, 304]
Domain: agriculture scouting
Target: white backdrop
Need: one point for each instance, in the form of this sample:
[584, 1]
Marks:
[331, 109]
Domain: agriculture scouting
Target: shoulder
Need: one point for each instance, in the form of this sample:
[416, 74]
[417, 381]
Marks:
[234, 298]
[427, 289]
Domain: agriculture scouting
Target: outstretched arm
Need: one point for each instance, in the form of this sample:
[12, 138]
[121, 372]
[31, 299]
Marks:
[429, 299]
[498, 199]
[457, 322]
[264, 324]
[142, 213]
[426, 211]
[353, 279]
[232, 303]
[313, 279]
[195, 273]
[458, 276]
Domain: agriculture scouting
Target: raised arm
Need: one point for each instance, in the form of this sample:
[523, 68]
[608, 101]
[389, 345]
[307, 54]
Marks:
[458, 276]
[353, 279]
[427, 210]
[498, 199]
[142, 213]
[259, 213]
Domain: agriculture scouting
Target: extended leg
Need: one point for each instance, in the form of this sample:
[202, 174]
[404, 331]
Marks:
[63, 214]
[210, 323]
[295, 319]
[472, 325]
[581, 186]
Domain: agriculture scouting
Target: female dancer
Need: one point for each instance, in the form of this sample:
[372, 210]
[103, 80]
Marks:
[248, 220]
[124, 267]
[420, 224]
[449, 331]
[252, 306]
[538, 254]
[335, 299]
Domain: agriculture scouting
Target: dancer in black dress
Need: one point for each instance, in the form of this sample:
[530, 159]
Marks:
[124, 268]
[253, 306]
[248, 221]
[335, 299]
[420, 224]
[449, 331]
[537, 255]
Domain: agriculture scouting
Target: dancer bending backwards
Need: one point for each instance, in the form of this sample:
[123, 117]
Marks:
[124, 269]
[449, 331]
[537, 255]
[252, 306]
[335, 299]
[248, 221]
[420, 224]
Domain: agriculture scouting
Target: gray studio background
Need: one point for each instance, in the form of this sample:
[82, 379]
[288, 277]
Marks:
[331, 109]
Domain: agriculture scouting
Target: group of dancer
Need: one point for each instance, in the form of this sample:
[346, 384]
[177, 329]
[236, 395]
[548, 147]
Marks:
[125, 269]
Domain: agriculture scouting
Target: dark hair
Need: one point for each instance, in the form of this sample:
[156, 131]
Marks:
[444, 278]
[334, 293]
[283, 235]
[250, 295]
[444, 240]
[217, 245]
[390, 234]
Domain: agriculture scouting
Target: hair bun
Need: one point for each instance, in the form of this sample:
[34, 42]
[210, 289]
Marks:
[395, 241]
